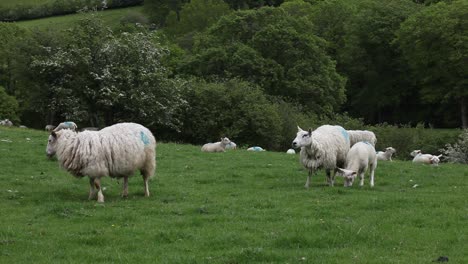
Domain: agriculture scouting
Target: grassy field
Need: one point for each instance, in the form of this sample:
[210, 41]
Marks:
[9, 3]
[111, 17]
[233, 207]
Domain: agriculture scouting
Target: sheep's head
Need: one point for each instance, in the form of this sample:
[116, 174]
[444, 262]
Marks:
[435, 160]
[390, 150]
[303, 138]
[52, 144]
[225, 141]
[414, 153]
[348, 175]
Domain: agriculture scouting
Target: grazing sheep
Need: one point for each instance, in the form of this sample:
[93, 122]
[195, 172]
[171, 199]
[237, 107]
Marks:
[425, 158]
[356, 136]
[387, 154]
[291, 151]
[360, 157]
[326, 147]
[231, 145]
[256, 148]
[6, 122]
[49, 128]
[216, 147]
[115, 151]
[66, 125]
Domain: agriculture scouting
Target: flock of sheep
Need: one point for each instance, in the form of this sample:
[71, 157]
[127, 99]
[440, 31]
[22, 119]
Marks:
[119, 150]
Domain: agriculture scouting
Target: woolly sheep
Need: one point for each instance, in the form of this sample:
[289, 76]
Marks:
[360, 157]
[387, 154]
[256, 148]
[291, 151]
[6, 122]
[49, 128]
[115, 151]
[425, 158]
[66, 125]
[231, 145]
[326, 147]
[356, 136]
[216, 147]
[89, 129]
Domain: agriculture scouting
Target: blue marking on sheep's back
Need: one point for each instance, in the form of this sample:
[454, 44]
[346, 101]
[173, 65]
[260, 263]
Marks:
[345, 134]
[68, 123]
[144, 138]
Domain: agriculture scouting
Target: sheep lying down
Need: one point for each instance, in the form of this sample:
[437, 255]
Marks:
[115, 151]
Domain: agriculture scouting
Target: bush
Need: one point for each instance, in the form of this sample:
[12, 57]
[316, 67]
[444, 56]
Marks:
[8, 106]
[458, 152]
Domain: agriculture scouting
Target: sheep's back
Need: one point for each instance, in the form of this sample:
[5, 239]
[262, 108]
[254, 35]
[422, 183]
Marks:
[332, 145]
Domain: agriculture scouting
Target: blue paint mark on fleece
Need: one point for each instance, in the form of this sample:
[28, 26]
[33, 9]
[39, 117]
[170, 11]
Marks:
[144, 138]
[68, 123]
[344, 133]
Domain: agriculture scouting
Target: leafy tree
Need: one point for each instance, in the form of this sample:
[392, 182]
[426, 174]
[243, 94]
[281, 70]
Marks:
[274, 50]
[10, 36]
[8, 106]
[158, 10]
[435, 44]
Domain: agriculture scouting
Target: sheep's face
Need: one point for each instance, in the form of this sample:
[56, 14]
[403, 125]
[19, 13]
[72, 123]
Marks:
[52, 145]
[303, 138]
[348, 175]
[435, 160]
[390, 150]
[414, 153]
[225, 141]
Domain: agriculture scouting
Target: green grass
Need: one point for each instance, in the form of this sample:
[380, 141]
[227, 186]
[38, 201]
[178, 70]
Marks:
[233, 207]
[10, 3]
[111, 18]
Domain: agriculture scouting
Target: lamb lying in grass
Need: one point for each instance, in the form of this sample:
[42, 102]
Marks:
[360, 157]
[216, 147]
[387, 154]
[425, 158]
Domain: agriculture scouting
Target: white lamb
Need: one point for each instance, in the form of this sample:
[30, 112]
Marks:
[425, 158]
[216, 147]
[387, 154]
[66, 125]
[356, 136]
[231, 145]
[360, 157]
[115, 151]
[6, 122]
[326, 147]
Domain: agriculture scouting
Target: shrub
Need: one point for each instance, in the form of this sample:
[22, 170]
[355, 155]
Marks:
[458, 152]
[8, 106]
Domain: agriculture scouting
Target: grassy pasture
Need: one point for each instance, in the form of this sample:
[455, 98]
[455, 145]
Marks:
[233, 207]
[110, 17]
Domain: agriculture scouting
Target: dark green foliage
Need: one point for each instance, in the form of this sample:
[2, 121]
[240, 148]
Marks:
[8, 107]
[458, 151]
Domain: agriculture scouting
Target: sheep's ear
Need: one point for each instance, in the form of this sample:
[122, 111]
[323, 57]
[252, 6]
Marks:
[341, 170]
[310, 131]
[54, 134]
[299, 129]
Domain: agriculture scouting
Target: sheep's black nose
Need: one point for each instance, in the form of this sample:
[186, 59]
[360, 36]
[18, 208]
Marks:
[294, 144]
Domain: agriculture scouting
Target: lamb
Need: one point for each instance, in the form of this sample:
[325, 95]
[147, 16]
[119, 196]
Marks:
[360, 157]
[256, 148]
[326, 147]
[49, 128]
[66, 125]
[115, 151]
[231, 145]
[290, 151]
[6, 122]
[356, 136]
[387, 154]
[216, 147]
[425, 158]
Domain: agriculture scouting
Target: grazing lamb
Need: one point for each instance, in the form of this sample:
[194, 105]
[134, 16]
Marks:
[49, 128]
[115, 151]
[326, 147]
[356, 136]
[387, 154]
[256, 148]
[66, 125]
[425, 158]
[360, 157]
[216, 147]
[231, 145]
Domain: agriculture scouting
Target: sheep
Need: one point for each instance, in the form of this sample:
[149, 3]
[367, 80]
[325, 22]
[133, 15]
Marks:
[22, 126]
[115, 151]
[326, 147]
[6, 122]
[89, 129]
[356, 136]
[387, 154]
[256, 148]
[360, 157]
[425, 158]
[216, 147]
[66, 125]
[49, 128]
[231, 145]
[290, 151]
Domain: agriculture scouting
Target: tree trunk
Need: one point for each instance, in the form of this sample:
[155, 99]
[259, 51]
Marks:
[464, 114]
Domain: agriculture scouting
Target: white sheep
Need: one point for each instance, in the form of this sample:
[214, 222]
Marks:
[425, 158]
[290, 151]
[356, 136]
[49, 128]
[256, 148]
[326, 147]
[66, 125]
[6, 122]
[360, 157]
[115, 151]
[231, 145]
[216, 147]
[89, 129]
[387, 154]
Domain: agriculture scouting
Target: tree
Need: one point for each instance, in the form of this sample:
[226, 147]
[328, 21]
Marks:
[8, 106]
[158, 10]
[435, 45]
[10, 35]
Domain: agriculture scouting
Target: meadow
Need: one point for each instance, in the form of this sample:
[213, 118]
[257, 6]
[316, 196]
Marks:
[233, 207]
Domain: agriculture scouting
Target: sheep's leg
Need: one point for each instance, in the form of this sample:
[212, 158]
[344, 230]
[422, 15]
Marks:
[92, 192]
[330, 178]
[308, 178]
[97, 183]
[125, 187]
[146, 177]
[361, 175]
[372, 177]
